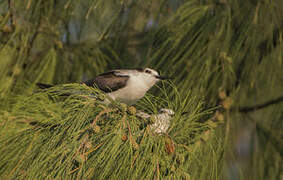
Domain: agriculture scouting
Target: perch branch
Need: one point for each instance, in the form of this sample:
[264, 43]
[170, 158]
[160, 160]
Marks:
[260, 106]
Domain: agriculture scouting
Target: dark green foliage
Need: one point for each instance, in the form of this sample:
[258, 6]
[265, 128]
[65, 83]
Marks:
[225, 55]
[79, 137]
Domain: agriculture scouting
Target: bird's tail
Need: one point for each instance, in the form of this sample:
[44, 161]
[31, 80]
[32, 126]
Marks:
[44, 86]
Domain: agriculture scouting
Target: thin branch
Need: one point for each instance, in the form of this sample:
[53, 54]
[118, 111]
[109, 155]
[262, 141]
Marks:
[11, 14]
[271, 137]
[33, 37]
[268, 135]
[260, 106]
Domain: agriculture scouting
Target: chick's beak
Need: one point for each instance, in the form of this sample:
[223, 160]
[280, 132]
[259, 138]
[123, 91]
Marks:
[163, 77]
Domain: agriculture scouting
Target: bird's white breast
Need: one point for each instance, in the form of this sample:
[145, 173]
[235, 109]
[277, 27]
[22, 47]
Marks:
[133, 91]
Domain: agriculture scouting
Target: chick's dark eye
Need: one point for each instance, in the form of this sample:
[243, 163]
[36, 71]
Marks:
[147, 71]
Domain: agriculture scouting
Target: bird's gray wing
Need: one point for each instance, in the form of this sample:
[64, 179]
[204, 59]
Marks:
[109, 81]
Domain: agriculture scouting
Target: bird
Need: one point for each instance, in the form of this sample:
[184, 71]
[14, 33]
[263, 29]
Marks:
[161, 120]
[123, 85]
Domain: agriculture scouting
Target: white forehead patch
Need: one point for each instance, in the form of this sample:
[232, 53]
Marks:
[153, 72]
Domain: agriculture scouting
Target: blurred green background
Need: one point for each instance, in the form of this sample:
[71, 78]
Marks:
[227, 52]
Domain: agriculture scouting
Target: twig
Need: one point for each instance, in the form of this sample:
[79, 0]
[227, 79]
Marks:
[33, 37]
[11, 14]
[133, 142]
[74, 170]
[135, 158]
[95, 148]
[105, 111]
[269, 135]
[260, 106]
[157, 170]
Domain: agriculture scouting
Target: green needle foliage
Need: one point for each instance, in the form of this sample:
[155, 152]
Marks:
[80, 137]
[226, 59]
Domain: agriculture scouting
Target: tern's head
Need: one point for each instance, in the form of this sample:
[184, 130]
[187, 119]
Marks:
[150, 76]
[170, 112]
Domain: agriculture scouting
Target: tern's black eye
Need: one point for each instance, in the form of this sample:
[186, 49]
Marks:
[148, 71]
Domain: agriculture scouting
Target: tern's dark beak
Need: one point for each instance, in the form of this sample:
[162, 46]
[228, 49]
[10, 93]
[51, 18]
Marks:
[163, 77]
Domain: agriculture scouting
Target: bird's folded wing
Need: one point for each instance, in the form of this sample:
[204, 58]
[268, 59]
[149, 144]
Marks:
[109, 81]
